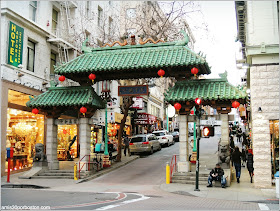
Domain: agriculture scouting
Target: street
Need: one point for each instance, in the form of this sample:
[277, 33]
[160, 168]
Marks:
[135, 186]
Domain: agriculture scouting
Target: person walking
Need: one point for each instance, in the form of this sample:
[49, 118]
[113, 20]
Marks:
[126, 145]
[236, 159]
[243, 154]
[250, 164]
[231, 147]
[239, 134]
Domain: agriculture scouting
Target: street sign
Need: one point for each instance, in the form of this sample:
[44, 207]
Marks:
[138, 103]
[133, 90]
[212, 122]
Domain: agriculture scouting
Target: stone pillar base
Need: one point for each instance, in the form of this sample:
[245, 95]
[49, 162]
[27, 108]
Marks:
[53, 165]
[183, 166]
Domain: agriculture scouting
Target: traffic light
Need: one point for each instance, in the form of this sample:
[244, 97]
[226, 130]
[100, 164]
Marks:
[208, 131]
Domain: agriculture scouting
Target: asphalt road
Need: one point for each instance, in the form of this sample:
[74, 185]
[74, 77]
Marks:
[135, 186]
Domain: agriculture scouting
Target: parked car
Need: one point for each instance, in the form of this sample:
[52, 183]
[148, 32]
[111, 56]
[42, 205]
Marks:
[175, 135]
[144, 143]
[164, 137]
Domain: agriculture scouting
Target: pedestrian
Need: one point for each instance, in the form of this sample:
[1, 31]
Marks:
[231, 147]
[236, 159]
[250, 164]
[243, 156]
[245, 142]
[126, 145]
[239, 134]
[217, 174]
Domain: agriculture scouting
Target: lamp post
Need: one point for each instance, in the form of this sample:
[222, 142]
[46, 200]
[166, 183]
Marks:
[198, 115]
[105, 95]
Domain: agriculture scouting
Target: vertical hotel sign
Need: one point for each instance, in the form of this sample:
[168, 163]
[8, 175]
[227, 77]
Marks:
[15, 45]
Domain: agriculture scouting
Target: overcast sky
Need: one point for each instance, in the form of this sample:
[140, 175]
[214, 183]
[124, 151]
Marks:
[219, 42]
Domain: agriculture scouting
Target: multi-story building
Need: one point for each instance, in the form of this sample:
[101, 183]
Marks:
[35, 36]
[258, 32]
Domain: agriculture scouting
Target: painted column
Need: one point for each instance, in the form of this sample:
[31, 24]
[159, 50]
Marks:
[84, 140]
[183, 164]
[51, 144]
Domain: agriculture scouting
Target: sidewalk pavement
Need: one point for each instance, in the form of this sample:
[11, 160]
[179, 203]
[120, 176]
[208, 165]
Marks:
[60, 183]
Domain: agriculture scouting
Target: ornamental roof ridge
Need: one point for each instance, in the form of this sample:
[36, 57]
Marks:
[70, 88]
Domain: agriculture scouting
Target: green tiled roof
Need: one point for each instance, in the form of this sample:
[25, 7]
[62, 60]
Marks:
[135, 61]
[206, 89]
[66, 97]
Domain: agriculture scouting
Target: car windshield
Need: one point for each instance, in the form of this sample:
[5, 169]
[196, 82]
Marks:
[159, 134]
[175, 133]
[138, 139]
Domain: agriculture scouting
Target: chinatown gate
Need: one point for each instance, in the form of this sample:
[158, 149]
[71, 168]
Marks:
[129, 61]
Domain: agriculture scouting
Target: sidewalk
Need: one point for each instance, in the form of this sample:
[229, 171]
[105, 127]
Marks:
[56, 183]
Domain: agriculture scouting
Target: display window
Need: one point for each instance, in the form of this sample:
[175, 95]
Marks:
[24, 130]
[274, 143]
[67, 142]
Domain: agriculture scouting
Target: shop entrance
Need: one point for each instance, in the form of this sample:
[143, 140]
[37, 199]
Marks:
[67, 143]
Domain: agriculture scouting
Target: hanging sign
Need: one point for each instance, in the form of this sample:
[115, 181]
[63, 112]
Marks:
[145, 119]
[138, 103]
[66, 121]
[133, 90]
[15, 45]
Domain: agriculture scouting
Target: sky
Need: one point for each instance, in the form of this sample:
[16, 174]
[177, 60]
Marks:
[218, 43]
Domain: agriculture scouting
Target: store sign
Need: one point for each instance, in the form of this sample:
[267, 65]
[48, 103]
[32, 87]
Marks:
[211, 121]
[15, 45]
[145, 119]
[138, 103]
[66, 121]
[133, 90]
[119, 117]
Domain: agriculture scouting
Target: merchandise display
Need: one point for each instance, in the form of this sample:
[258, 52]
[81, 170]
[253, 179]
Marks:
[24, 130]
[65, 136]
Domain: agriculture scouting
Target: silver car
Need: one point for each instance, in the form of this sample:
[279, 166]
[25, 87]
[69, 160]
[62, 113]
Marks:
[144, 143]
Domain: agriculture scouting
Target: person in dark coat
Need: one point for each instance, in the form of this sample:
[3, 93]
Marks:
[236, 159]
[217, 174]
[239, 134]
[231, 146]
[250, 164]
[126, 145]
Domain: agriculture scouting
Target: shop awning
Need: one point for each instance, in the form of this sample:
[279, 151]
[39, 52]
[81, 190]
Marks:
[67, 97]
[135, 61]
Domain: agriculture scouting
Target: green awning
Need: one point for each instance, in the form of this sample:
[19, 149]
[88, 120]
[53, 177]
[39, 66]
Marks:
[206, 89]
[135, 61]
[67, 97]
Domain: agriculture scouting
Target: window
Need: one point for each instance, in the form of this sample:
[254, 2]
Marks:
[131, 13]
[110, 25]
[30, 55]
[100, 15]
[88, 8]
[32, 10]
[53, 62]
[54, 20]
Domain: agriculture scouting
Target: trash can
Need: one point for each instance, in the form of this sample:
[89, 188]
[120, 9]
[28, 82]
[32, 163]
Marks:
[276, 175]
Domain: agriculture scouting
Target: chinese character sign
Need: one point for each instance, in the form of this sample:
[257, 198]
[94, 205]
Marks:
[15, 45]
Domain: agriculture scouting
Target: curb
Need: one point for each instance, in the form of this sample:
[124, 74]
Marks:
[23, 186]
[102, 172]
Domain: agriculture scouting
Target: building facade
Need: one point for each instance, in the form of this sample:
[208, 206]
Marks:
[35, 36]
[258, 32]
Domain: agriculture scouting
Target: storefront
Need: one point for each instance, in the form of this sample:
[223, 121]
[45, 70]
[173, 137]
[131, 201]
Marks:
[24, 130]
[274, 144]
[146, 123]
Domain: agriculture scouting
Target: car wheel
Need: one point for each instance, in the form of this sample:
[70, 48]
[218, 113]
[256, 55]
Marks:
[152, 151]
[168, 143]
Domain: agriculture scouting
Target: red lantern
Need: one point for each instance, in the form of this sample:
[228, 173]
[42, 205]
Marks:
[61, 78]
[235, 104]
[194, 71]
[197, 101]
[177, 106]
[161, 73]
[92, 77]
[83, 110]
[35, 111]
[192, 112]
